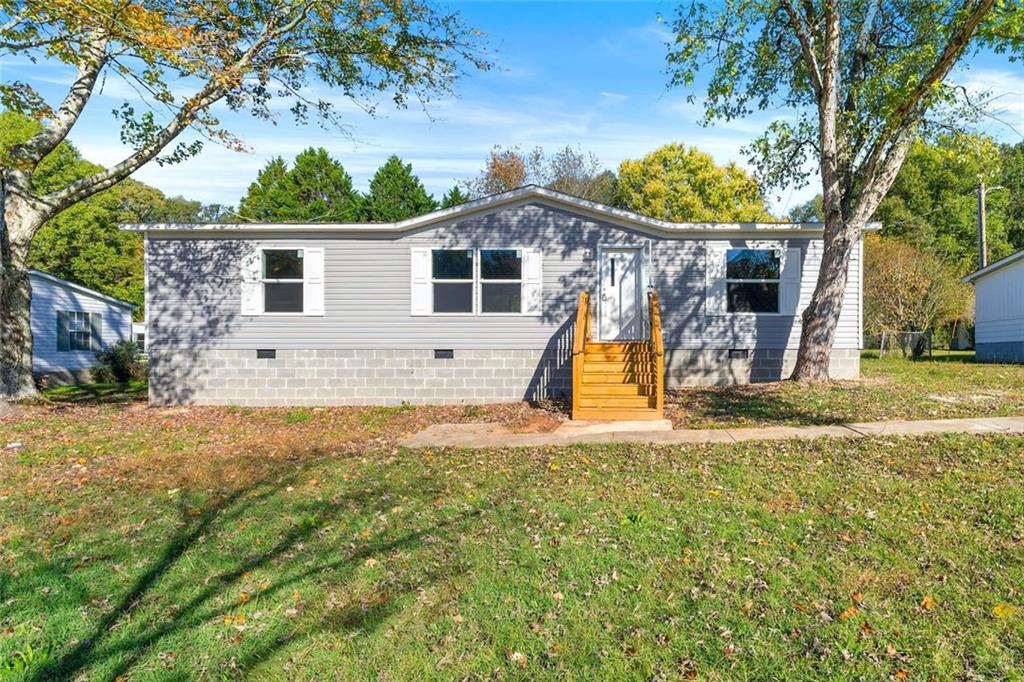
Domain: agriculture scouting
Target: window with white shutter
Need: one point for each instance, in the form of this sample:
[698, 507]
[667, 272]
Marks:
[755, 279]
[283, 281]
[504, 281]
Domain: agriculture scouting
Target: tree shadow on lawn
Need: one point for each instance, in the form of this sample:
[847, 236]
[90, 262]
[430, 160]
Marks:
[754, 403]
[99, 394]
[337, 558]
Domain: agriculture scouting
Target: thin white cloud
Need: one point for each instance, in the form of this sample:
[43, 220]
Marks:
[612, 98]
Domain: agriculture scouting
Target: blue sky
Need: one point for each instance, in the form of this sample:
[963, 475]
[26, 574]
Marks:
[582, 73]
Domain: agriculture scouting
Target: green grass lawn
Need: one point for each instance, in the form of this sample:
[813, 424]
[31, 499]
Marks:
[198, 543]
[950, 385]
[98, 393]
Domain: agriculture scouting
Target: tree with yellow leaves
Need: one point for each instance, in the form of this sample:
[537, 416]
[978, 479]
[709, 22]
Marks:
[247, 54]
[683, 184]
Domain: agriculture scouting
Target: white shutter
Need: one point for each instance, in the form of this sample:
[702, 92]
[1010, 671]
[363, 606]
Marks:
[421, 292]
[252, 287]
[313, 281]
[533, 282]
[789, 286]
[714, 279]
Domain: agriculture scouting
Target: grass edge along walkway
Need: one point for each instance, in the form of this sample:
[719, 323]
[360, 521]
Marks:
[489, 435]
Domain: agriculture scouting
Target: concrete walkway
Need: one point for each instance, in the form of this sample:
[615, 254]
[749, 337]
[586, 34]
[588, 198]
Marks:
[483, 435]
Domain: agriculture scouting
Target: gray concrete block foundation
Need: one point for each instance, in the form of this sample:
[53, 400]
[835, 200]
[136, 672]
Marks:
[394, 376]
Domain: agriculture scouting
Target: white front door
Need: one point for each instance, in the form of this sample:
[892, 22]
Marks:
[621, 309]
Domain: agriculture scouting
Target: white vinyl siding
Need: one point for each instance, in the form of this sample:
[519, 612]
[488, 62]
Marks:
[48, 299]
[999, 308]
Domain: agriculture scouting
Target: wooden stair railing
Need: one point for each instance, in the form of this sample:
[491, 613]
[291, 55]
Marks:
[657, 350]
[617, 379]
[579, 347]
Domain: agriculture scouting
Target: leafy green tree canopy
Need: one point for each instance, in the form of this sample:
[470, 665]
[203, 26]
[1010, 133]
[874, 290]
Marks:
[396, 194]
[680, 184]
[811, 211]
[932, 205]
[315, 189]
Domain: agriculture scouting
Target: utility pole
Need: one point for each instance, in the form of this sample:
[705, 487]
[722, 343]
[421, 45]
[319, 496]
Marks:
[982, 238]
[982, 243]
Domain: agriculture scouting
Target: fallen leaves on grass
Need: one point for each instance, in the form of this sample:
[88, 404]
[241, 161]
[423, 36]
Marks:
[849, 612]
[1003, 611]
[929, 603]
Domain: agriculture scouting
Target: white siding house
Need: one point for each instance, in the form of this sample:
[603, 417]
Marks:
[70, 324]
[999, 310]
[474, 303]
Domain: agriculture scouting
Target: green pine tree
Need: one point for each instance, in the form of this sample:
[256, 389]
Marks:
[315, 189]
[454, 197]
[268, 199]
[321, 189]
[396, 194]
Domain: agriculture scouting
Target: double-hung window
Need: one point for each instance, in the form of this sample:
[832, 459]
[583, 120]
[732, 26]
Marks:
[452, 280]
[282, 277]
[79, 331]
[501, 281]
[477, 281]
[752, 278]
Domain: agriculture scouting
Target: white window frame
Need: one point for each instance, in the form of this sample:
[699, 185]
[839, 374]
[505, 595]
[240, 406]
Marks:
[478, 281]
[264, 281]
[471, 281]
[72, 317]
[781, 255]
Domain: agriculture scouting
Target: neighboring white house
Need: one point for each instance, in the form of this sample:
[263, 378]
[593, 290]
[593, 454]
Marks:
[999, 310]
[70, 324]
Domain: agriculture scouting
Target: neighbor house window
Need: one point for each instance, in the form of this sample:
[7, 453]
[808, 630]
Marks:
[79, 331]
[752, 280]
[282, 277]
[452, 279]
[501, 281]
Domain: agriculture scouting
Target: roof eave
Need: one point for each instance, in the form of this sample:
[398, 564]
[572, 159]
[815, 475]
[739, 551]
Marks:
[993, 267]
[84, 289]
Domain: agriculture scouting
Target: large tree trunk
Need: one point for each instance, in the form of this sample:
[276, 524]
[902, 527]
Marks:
[821, 317]
[19, 222]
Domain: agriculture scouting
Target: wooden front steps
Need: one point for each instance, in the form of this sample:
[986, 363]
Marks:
[617, 380]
